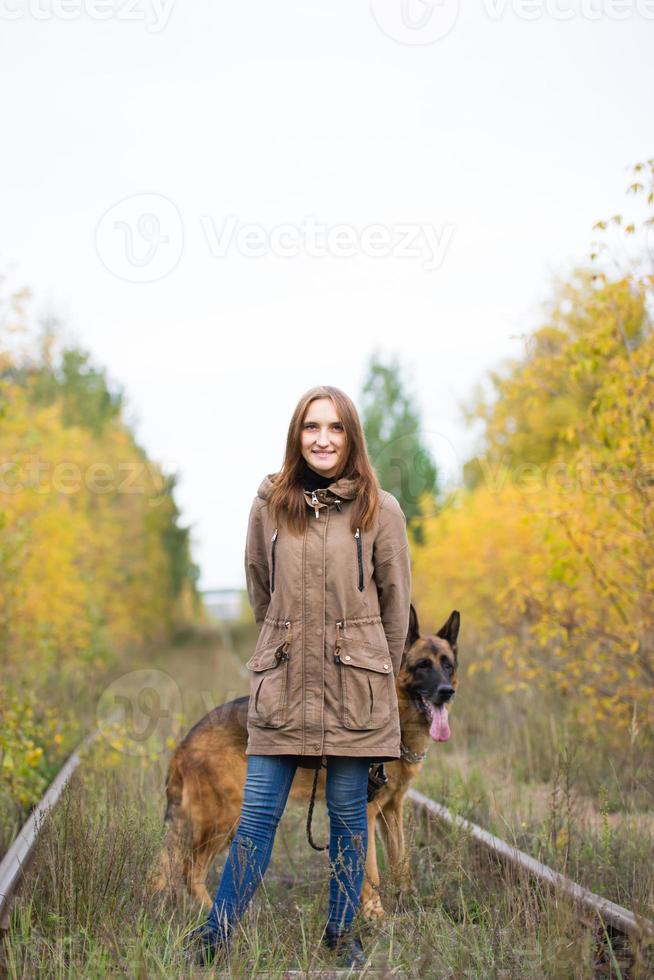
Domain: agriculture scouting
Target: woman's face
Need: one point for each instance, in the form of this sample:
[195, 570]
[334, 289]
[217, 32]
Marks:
[323, 438]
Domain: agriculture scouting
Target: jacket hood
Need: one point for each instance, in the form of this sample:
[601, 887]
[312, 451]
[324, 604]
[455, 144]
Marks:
[343, 488]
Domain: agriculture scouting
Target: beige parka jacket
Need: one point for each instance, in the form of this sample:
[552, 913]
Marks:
[333, 611]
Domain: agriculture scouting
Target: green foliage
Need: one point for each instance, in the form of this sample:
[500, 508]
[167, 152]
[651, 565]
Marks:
[396, 444]
[82, 390]
[177, 543]
[27, 730]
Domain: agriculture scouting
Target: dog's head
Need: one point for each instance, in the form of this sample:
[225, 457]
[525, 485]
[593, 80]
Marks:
[430, 663]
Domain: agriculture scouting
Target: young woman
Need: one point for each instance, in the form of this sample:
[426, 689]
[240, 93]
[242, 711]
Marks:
[329, 580]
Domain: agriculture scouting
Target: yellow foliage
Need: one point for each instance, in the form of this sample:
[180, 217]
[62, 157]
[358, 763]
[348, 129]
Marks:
[92, 560]
[552, 566]
[83, 568]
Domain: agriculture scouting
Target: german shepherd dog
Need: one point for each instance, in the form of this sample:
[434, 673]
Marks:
[207, 770]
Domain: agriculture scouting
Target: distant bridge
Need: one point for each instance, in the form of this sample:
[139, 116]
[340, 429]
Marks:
[223, 603]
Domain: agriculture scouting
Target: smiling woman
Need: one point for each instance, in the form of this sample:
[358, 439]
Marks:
[329, 580]
[327, 553]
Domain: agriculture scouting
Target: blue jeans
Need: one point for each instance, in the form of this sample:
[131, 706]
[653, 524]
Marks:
[268, 782]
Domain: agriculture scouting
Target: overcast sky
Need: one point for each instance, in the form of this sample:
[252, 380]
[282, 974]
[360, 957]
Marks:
[229, 203]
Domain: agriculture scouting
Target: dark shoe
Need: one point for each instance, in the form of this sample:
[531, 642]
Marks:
[349, 951]
[202, 945]
[352, 954]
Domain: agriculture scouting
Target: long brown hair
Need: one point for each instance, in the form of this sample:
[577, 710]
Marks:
[287, 494]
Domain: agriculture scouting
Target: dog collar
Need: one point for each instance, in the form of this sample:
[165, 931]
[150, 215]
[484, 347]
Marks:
[411, 756]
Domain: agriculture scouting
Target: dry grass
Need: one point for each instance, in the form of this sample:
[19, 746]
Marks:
[83, 911]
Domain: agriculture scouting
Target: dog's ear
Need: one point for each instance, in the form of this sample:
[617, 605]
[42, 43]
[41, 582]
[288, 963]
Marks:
[450, 630]
[413, 632]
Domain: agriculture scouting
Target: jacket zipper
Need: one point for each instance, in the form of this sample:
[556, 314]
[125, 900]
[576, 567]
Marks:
[272, 577]
[359, 558]
[315, 502]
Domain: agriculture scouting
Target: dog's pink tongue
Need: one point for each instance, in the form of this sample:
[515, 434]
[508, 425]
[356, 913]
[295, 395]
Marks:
[439, 728]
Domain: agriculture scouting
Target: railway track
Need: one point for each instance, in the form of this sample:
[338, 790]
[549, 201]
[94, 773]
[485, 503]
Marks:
[609, 913]
[16, 861]
[605, 912]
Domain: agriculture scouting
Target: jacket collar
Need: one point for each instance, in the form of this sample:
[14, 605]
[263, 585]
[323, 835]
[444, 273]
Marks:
[343, 489]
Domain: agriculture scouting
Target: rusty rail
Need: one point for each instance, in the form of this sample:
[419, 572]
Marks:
[623, 920]
[16, 860]
[618, 917]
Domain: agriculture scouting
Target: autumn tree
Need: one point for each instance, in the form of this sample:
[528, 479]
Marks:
[94, 559]
[554, 532]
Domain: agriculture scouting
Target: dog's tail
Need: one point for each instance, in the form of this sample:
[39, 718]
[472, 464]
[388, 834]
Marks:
[174, 788]
[168, 871]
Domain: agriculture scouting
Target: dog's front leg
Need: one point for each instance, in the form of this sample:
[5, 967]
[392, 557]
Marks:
[371, 906]
[392, 828]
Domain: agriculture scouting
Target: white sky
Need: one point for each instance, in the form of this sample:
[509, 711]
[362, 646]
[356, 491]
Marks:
[508, 136]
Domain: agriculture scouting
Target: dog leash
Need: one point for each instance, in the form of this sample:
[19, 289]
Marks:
[316, 847]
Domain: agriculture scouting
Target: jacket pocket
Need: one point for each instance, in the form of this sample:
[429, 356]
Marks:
[366, 681]
[268, 704]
